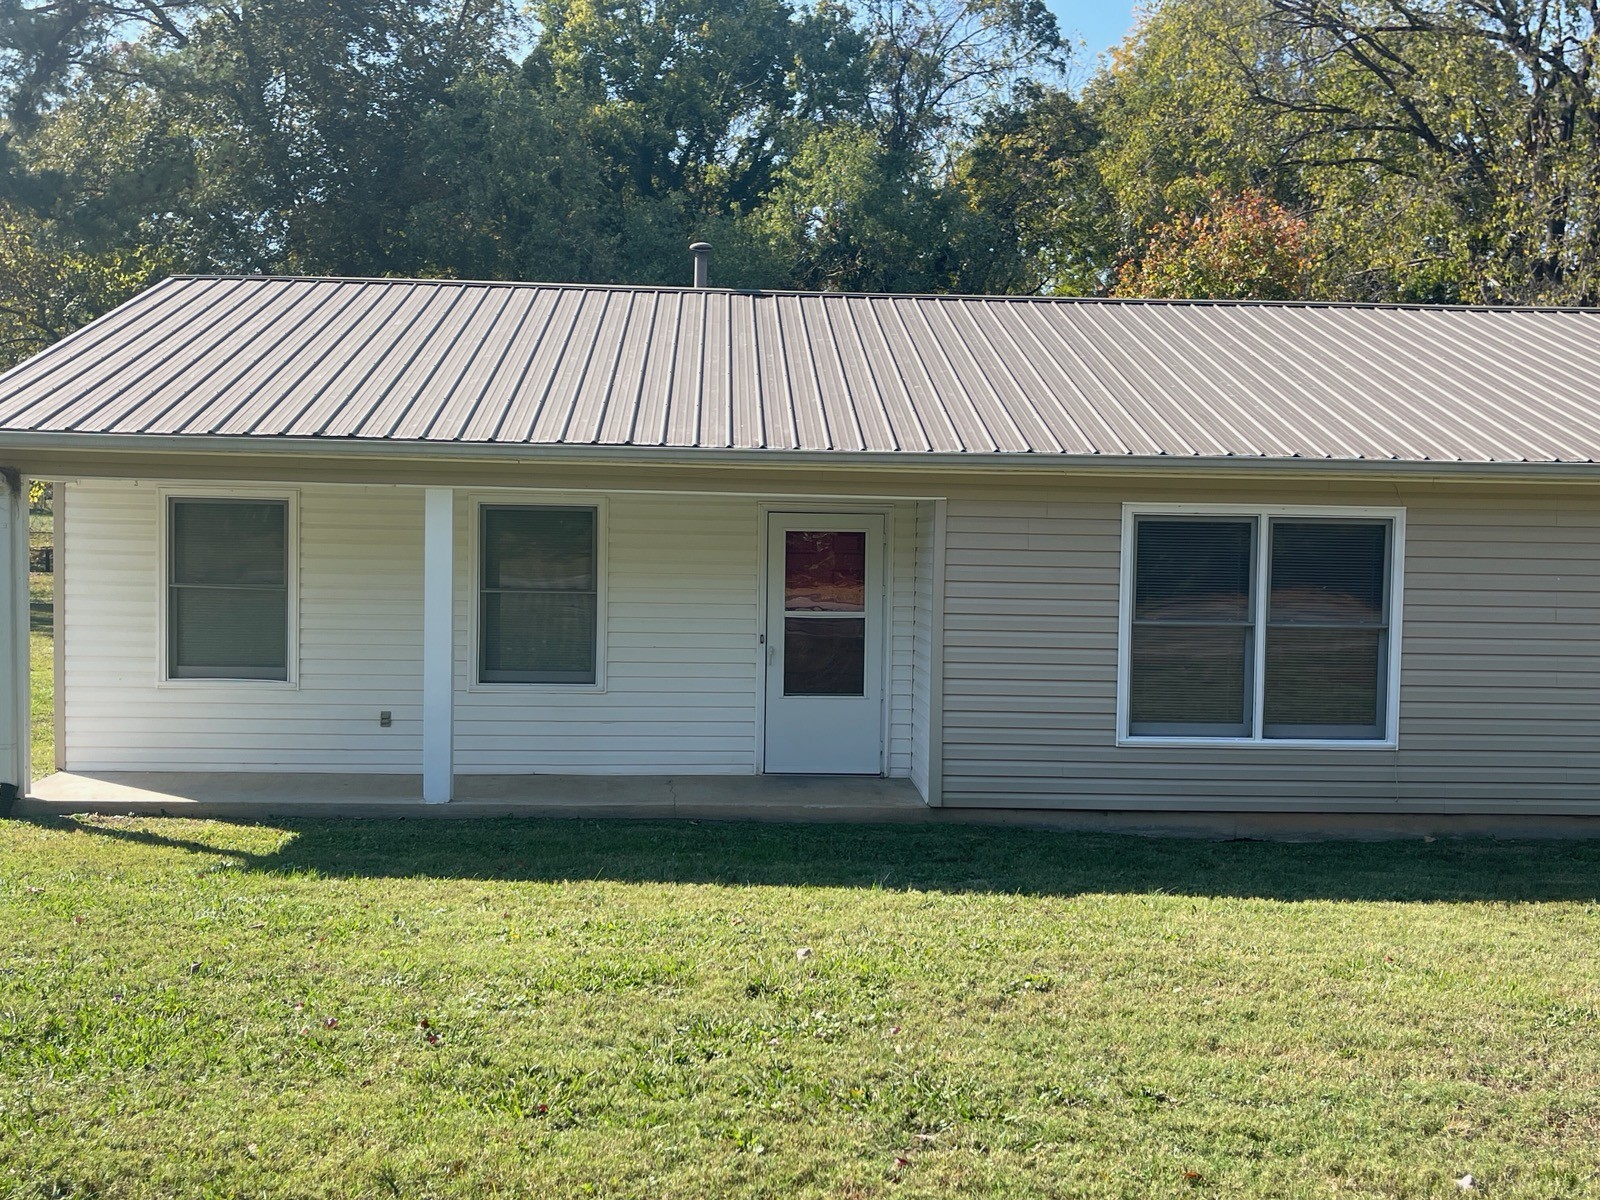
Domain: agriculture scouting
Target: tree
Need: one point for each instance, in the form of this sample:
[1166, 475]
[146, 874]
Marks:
[48, 289]
[1499, 99]
[277, 134]
[1246, 247]
[1440, 149]
[1034, 211]
[935, 65]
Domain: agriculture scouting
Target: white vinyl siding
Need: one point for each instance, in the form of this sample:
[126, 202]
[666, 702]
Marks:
[360, 619]
[682, 664]
[922, 648]
[681, 655]
[680, 619]
[1499, 699]
[902, 584]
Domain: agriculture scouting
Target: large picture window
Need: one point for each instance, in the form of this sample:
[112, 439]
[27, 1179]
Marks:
[227, 589]
[1270, 626]
[538, 595]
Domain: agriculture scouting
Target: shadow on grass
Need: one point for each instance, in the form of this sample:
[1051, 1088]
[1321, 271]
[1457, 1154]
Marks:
[909, 858]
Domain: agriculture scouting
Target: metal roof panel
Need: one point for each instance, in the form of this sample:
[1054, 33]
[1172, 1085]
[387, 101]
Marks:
[424, 361]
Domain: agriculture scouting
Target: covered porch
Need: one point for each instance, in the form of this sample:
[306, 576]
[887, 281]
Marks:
[384, 701]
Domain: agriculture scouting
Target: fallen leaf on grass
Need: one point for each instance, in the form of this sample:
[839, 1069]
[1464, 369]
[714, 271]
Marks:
[803, 953]
[330, 1022]
[1467, 1183]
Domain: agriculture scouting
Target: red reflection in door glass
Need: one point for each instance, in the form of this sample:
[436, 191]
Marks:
[824, 571]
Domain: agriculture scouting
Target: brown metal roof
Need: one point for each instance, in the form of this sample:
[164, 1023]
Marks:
[567, 365]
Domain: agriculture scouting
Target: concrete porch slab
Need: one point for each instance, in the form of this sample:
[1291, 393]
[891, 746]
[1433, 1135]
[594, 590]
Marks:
[266, 795]
[271, 794]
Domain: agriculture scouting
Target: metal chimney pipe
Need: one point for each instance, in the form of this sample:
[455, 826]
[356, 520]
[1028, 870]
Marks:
[702, 263]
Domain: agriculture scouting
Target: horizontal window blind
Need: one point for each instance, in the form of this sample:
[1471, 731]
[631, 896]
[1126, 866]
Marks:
[228, 589]
[538, 595]
[1204, 627]
[1192, 629]
[1327, 630]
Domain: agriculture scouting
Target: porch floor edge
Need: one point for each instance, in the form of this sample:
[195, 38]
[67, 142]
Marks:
[314, 794]
[779, 798]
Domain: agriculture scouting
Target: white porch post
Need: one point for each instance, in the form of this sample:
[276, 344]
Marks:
[438, 644]
[13, 639]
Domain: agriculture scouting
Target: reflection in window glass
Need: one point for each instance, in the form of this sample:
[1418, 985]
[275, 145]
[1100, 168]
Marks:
[824, 571]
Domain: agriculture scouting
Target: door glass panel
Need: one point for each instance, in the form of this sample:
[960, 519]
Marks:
[825, 656]
[825, 571]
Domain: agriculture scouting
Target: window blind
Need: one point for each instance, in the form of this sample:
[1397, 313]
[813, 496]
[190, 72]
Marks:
[1201, 635]
[228, 589]
[1192, 633]
[1327, 631]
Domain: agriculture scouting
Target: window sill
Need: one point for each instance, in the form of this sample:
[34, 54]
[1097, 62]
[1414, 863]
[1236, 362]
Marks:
[1263, 743]
[545, 689]
[270, 685]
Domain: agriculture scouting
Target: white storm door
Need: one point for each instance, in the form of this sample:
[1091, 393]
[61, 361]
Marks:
[824, 634]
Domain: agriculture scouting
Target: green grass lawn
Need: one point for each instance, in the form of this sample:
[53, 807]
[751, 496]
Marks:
[41, 674]
[542, 1008]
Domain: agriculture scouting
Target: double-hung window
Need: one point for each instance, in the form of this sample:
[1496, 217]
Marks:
[1265, 626]
[538, 594]
[227, 586]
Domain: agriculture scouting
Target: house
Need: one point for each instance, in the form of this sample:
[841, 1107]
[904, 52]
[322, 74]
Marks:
[1008, 554]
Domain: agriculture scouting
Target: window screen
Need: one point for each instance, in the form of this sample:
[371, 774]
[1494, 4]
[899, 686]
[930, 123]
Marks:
[537, 620]
[228, 589]
[1202, 635]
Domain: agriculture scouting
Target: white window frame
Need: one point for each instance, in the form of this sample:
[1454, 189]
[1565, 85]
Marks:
[164, 498]
[1261, 576]
[477, 502]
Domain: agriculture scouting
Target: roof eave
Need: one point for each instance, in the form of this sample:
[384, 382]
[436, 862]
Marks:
[93, 444]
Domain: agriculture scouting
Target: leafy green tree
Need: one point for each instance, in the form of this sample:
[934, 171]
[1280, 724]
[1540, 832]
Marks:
[1441, 149]
[271, 135]
[681, 97]
[1034, 214]
[48, 289]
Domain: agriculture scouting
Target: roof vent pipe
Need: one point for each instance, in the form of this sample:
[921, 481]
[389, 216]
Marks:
[702, 263]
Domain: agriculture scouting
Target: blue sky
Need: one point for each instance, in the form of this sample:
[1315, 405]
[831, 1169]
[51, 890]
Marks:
[1101, 24]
